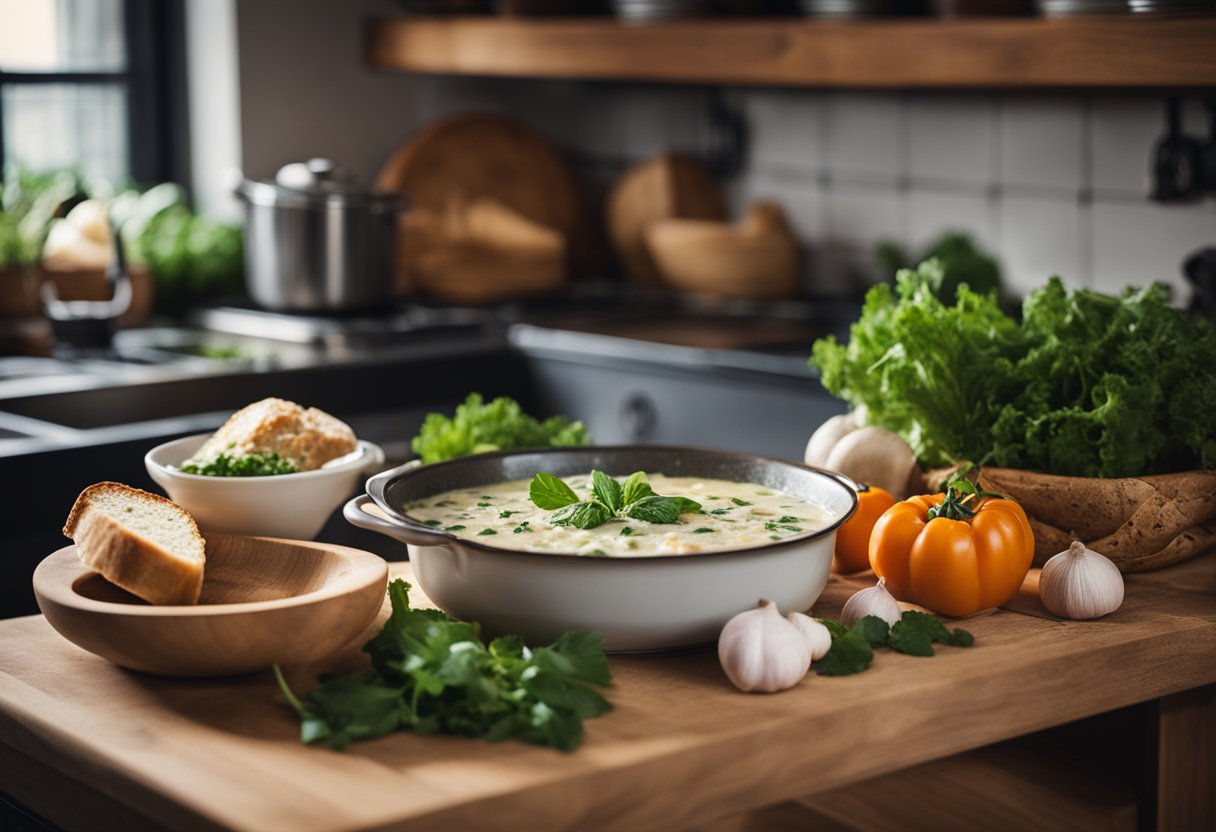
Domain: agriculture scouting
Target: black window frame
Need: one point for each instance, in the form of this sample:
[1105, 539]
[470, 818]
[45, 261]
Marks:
[155, 82]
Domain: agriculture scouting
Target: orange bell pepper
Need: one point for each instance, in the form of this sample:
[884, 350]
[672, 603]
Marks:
[853, 538]
[955, 553]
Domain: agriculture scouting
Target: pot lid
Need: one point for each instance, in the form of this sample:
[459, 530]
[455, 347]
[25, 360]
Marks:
[318, 180]
[316, 175]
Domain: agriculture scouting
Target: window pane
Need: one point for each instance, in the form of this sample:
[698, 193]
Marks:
[61, 35]
[79, 126]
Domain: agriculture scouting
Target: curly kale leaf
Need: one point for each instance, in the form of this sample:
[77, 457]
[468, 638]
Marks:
[927, 371]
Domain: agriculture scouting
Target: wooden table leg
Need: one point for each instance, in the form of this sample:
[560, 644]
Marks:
[1186, 761]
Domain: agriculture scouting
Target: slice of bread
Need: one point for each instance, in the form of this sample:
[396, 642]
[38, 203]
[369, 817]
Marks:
[308, 438]
[141, 542]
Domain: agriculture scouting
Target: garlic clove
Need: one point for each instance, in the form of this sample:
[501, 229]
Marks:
[761, 651]
[1080, 583]
[817, 636]
[874, 601]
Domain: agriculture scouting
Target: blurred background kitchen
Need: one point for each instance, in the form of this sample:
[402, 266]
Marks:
[640, 213]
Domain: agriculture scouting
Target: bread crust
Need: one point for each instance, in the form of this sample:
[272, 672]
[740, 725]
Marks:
[308, 438]
[126, 558]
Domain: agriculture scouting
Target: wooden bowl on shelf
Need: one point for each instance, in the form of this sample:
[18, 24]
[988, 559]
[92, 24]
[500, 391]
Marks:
[756, 258]
[670, 186]
[264, 601]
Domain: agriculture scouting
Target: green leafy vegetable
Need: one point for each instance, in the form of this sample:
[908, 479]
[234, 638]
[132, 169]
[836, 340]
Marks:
[549, 492]
[250, 465]
[961, 260]
[850, 653]
[635, 500]
[914, 634]
[477, 427]
[873, 629]
[607, 491]
[1086, 384]
[432, 674]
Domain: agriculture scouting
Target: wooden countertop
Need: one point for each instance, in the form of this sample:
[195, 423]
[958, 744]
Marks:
[90, 745]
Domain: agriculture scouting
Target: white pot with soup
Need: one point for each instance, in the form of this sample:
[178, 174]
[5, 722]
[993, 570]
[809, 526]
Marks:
[646, 578]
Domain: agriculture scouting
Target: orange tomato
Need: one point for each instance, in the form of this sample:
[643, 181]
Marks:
[853, 538]
[951, 553]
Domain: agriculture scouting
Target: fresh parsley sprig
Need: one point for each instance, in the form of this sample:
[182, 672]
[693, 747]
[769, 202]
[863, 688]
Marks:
[914, 634]
[432, 674]
[610, 500]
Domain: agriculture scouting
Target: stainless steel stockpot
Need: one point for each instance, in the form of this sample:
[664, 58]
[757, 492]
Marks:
[646, 603]
[315, 241]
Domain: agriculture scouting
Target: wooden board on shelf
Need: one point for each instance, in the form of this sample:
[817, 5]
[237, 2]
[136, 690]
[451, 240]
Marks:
[1103, 52]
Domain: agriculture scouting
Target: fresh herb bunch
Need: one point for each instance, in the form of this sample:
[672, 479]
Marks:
[501, 425]
[432, 675]
[610, 500]
[250, 465]
[1086, 384]
[914, 634]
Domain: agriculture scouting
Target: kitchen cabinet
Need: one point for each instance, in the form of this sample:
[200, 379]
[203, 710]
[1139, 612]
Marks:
[89, 745]
[1120, 52]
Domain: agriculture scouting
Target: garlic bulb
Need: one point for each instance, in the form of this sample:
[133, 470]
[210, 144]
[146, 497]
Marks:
[817, 636]
[874, 601]
[1080, 583]
[761, 651]
[875, 456]
[830, 432]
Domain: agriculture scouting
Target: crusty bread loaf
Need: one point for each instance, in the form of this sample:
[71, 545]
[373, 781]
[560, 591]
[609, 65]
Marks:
[308, 438]
[141, 542]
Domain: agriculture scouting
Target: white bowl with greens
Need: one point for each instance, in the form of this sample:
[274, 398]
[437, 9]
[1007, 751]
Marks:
[565, 561]
[233, 500]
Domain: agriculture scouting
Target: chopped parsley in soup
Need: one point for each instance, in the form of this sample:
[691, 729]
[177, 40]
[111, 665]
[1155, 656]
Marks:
[713, 515]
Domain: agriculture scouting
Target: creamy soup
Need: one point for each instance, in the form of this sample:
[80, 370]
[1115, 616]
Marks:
[733, 515]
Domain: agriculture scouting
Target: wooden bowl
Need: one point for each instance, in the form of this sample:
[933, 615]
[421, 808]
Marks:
[265, 601]
[668, 186]
[755, 258]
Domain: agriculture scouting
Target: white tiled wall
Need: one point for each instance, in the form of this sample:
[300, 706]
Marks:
[1048, 184]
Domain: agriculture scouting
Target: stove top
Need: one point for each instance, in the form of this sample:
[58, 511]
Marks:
[607, 309]
[391, 326]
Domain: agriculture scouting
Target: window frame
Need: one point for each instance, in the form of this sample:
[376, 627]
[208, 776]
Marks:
[155, 83]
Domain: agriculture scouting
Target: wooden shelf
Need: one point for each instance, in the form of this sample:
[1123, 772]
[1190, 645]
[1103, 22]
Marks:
[1122, 52]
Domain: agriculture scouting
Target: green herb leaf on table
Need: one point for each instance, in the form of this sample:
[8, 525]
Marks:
[873, 629]
[850, 653]
[431, 674]
[915, 634]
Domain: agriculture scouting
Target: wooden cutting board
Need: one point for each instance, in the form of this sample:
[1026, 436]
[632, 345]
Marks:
[487, 155]
[92, 746]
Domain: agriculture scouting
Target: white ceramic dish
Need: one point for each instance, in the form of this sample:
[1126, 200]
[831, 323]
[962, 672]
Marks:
[642, 603]
[293, 506]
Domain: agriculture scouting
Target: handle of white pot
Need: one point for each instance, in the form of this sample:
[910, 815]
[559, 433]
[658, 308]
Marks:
[357, 513]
